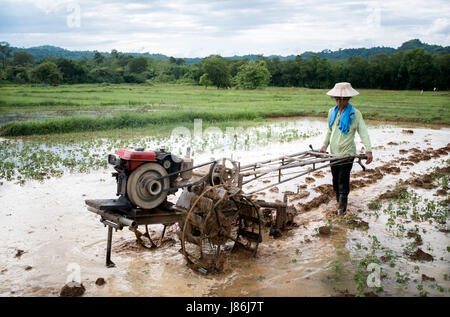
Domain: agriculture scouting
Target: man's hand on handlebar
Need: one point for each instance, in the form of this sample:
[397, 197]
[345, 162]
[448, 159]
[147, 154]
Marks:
[369, 157]
[323, 149]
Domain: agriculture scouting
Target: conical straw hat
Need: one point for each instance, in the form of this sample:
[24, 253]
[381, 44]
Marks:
[342, 90]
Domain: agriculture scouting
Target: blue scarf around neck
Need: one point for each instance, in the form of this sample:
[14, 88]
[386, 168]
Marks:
[346, 117]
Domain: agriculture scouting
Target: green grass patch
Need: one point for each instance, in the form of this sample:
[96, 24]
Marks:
[124, 106]
[121, 121]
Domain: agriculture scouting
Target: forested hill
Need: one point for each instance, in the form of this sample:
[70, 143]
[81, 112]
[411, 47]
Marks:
[341, 54]
[48, 50]
[366, 52]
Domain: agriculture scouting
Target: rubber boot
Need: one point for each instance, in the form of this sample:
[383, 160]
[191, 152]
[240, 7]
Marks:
[337, 197]
[342, 204]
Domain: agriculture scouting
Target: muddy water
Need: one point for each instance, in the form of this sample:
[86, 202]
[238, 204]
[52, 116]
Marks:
[50, 224]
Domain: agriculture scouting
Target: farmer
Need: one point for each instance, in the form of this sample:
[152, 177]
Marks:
[343, 122]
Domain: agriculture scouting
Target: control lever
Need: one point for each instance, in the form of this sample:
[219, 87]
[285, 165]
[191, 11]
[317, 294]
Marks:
[362, 157]
[311, 147]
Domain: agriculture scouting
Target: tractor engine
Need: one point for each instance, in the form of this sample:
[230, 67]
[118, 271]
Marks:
[143, 176]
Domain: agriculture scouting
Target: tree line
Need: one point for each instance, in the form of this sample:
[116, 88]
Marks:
[409, 69]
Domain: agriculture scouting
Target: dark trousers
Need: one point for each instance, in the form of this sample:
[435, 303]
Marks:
[341, 177]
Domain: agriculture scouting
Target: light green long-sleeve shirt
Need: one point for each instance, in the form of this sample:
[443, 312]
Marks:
[341, 143]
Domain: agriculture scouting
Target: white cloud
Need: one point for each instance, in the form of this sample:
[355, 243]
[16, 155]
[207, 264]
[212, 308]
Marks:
[200, 27]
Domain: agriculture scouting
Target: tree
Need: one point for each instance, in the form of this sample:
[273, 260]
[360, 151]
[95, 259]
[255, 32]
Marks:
[289, 70]
[357, 71]
[46, 72]
[421, 70]
[194, 72]
[442, 65]
[72, 72]
[253, 75]
[105, 75]
[16, 74]
[137, 65]
[236, 65]
[216, 68]
[22, 58]
[274, 67]
[205, 81]
[5, 52]
[114, 54]
[98, 58]
[323, 72]
[180, 61]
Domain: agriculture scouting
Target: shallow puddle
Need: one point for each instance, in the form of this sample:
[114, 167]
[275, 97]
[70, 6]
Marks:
[49, 222]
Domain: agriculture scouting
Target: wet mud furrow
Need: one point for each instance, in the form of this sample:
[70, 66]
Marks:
[368, 177]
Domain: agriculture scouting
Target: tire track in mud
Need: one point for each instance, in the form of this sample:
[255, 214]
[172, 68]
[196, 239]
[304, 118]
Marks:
[371, 176]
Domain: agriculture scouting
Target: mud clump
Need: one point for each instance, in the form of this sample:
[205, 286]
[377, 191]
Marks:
[415, 150]
[420, 255]
[316, 202]
[442, 171]
[345, 293]
[358, 183]
[28, 268]
[428, 278]
[426, 181]
[276, 233]
[371, 176]
[326, 192]
[414, 158]
[407, 131]
[357, 223]
[300, 195]
[325, 189]
[309, 180]
[441, 151]
[398, 192]
[72, 289]
[423, 181]
[402, 151]
[417, 237]
[324, 230]
[19, 253]
[390, 169]
[274, 190]
[100, 281]
[392, 143]
[318, 174]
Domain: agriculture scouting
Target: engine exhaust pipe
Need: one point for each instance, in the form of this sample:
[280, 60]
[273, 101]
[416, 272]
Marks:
[120, 220]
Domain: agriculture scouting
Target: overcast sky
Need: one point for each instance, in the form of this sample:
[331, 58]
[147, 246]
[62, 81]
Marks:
[198, 28]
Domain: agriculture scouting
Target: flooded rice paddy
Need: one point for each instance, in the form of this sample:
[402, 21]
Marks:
[398, 218]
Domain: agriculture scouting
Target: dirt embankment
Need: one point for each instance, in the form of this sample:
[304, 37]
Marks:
[370, 176]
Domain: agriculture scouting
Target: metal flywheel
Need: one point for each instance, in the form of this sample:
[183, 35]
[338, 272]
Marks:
[143, 187]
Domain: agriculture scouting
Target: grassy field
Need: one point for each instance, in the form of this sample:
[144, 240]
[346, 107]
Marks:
[103, 107]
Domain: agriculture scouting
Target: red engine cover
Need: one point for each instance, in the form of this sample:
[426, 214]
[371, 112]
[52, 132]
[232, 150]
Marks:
[136, 158]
